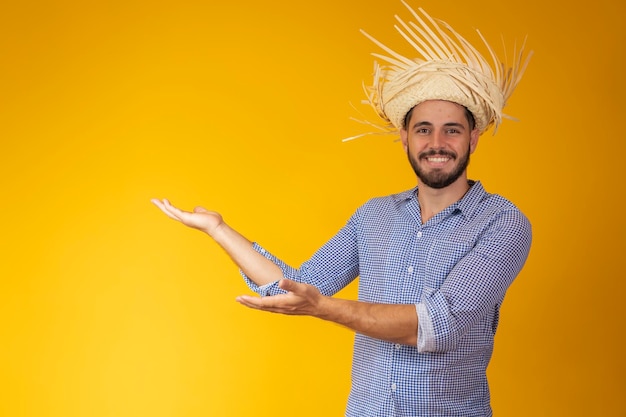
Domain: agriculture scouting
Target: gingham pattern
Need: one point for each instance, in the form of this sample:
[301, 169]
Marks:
[455, 268]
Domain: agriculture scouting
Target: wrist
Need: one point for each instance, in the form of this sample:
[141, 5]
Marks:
[326, 308]
[218, 232]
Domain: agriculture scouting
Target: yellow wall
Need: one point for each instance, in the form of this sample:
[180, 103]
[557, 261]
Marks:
[107, 308]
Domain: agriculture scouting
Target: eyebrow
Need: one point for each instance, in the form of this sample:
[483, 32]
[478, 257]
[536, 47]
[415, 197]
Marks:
[429, 124]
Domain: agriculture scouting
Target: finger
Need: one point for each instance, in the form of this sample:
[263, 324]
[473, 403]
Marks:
[169, 210]
[157, 203]
[275, 310]
[161, 206]
[291, 286]
[256, 303]
[173, 209]
[248, 301]
[278, 302]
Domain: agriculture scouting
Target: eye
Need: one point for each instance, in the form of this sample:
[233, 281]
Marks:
[422, 131]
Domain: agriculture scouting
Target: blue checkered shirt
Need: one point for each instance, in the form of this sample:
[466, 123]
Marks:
[455, 268]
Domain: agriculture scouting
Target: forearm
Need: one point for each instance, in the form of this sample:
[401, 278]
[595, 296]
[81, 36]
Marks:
[396, 323]
[258, 268]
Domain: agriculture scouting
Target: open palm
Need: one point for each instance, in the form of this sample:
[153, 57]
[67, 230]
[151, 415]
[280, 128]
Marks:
[200, 218]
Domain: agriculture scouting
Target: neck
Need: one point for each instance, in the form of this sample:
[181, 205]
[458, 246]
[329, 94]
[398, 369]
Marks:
[434, 200]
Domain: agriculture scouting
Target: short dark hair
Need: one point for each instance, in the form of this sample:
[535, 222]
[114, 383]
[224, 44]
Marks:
[468, 114]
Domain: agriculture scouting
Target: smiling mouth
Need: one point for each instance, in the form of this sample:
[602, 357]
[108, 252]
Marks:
[438, 159]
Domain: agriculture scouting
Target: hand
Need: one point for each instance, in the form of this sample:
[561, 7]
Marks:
[201, 218]
[301, 299]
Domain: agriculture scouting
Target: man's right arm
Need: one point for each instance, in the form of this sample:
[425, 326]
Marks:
[259, 269]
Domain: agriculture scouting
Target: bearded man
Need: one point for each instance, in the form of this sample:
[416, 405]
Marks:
[433, 262]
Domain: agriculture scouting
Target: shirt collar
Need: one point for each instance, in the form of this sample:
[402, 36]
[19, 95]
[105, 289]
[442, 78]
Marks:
[472, 198]
[466, 205]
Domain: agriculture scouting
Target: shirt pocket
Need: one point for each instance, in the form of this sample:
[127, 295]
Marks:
[442, 258]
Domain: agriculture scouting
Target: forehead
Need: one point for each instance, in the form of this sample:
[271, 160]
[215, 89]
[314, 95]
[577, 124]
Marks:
[438, 112]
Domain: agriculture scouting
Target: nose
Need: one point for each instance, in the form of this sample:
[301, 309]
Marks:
[437, 139]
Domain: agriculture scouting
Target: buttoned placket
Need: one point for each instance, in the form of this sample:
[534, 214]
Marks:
[410, 275]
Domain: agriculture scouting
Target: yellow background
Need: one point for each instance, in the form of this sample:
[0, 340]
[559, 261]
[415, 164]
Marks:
[108, 308]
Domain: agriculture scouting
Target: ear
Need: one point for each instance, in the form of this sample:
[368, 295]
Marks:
[404, 137]
[474, 136]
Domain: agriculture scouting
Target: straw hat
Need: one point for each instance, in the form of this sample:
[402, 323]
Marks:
[447, 68]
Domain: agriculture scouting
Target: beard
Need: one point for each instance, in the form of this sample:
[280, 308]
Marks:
[438, 178]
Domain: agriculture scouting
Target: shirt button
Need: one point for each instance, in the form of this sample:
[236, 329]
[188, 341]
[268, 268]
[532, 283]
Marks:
[410, 270]
[398, 346]
[262, 250]
[393, 387]
[419, 234]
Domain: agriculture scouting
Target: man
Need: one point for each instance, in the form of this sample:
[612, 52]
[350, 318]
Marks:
[434, 262]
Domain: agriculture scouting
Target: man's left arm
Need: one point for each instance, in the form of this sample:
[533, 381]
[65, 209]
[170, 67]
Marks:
[396, 323]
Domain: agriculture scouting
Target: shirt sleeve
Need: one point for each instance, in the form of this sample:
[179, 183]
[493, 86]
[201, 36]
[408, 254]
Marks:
[330, 269]
[425, 332]
[475, 285]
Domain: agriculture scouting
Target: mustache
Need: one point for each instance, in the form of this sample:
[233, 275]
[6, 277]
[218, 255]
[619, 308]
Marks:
[437, 152]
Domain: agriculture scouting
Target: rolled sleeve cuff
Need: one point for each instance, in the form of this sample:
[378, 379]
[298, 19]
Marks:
[266, 289]
[425, 329]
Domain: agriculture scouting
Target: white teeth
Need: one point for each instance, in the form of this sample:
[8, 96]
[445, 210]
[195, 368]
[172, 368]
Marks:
[437, 159]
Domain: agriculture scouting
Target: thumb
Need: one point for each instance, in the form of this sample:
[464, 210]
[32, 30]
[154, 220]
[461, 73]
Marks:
[287, 285]
[200, 209]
